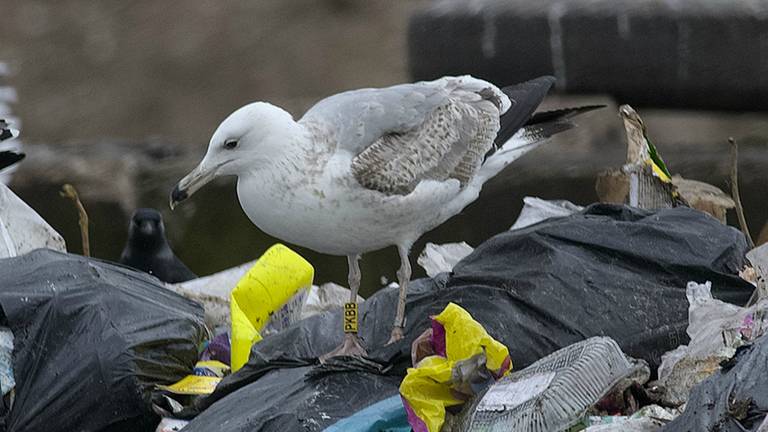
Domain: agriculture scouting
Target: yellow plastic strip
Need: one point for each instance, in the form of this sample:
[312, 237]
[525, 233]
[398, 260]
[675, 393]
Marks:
[193, 385]
[275, 278]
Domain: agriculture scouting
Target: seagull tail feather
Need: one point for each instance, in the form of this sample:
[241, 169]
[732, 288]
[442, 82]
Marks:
[8, 158]
[536, 131]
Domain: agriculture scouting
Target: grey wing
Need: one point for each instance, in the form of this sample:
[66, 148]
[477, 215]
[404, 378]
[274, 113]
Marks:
[449, 144]
[357, 118]
[401, 135]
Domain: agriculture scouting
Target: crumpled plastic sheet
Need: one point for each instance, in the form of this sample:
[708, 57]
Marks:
[436, 259]
[171, 425]
[326, 297]
[648, 419]
[22, 229]
[536, 210]
[716, 329]
[7, 381]
[759, 259]
[733, 399]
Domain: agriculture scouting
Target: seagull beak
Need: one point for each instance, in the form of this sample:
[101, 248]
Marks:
[191, 183]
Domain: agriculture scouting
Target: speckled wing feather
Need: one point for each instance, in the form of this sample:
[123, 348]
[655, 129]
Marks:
[449, 144]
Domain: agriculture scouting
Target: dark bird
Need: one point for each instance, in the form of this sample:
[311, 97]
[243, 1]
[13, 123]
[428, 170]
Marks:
[148, 250]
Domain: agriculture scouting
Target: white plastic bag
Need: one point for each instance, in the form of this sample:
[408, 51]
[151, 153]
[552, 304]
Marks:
[325, 297]
[7, 382]
[716, 329]
[436, 259]
[171, 425]
[22, 229]
[536, 210]
[759, 259]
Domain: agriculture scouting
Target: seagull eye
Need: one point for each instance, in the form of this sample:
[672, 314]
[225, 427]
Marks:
[229, 145]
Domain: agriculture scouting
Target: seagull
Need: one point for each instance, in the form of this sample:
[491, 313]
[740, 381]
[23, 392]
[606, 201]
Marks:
[148, 250]
[371, 168]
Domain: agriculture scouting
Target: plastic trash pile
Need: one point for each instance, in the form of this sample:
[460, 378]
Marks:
[607, 318]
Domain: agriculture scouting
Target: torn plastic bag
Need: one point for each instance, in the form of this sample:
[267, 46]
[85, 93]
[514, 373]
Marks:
[435, 259]
[759, 259]
[91, 341]
[536, 210]
[716, 330]
[22, 229]
[734, 399]
[650, 418]
[171, 425]
[467, 359]
[326, 297]
[611, 270]
[297, 399]
[7, 381]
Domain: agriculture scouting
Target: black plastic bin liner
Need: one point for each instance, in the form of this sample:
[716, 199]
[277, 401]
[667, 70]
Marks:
[295, 399]
[91, 340]
[734, 399]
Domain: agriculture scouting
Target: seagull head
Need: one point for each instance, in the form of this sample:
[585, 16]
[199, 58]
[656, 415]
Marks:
[246, 141]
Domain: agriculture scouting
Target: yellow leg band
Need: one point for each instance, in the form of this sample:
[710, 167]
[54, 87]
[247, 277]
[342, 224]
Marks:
[350, 317]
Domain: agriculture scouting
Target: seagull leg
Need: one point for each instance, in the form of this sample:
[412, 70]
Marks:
[351, 345]
[403, 277]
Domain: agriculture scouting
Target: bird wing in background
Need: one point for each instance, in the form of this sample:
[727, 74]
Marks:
[8, 157]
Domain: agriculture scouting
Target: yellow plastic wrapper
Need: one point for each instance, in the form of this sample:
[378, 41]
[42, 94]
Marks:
[275, 278]
[203, 381]
[431, 387]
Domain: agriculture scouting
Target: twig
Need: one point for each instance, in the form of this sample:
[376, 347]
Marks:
[68, 191]
[735, 191]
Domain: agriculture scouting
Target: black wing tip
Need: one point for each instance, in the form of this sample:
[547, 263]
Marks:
[524, 97]
[8, 158]
[543, 81]
[562, 113]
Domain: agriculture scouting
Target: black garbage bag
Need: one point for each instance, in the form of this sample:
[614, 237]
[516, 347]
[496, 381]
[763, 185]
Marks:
[734, 399]
[296, 399]
[91, 340]
[608, 271]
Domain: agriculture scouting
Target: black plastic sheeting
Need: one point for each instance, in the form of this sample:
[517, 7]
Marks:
[609, 271]
[91, 340]
[734, 399]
